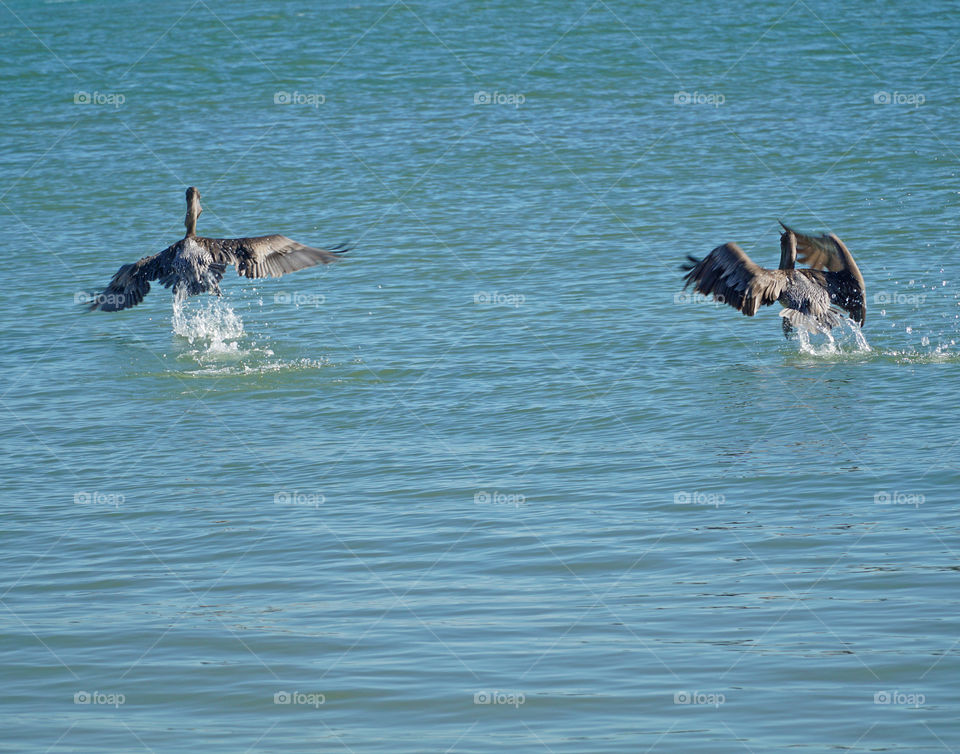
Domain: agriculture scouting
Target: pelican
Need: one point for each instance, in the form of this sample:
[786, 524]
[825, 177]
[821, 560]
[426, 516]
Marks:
[810, 297]
[196, 265]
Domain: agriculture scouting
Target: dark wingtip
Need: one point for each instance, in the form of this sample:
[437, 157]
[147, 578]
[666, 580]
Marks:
[691, 262]
[342, 248]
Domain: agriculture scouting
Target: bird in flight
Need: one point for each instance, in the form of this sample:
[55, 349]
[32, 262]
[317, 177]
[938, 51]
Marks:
[196, 264]
[811, 297]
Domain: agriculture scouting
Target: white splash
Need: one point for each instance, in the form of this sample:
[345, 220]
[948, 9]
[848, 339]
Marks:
[212, 324]
[845, 338]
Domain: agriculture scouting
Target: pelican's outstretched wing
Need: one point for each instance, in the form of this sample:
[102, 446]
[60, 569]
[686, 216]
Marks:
[733, 278]
[841, 276]
[132, 281]
[269, 256]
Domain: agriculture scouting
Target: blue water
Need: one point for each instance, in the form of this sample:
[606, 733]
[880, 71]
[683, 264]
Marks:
[492, 482]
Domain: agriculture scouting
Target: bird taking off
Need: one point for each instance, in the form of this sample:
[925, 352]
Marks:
[811, 297]
[196, 265]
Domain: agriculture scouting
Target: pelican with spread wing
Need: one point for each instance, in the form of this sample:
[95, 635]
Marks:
[811, 298]
[196, 264]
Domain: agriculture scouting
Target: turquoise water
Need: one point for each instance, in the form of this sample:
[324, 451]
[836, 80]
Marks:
[492, 482]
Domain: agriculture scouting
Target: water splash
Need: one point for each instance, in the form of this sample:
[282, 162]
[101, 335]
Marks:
[844, 339]
[213, 325]
[849, 343]
[219, 345]
[940, 354]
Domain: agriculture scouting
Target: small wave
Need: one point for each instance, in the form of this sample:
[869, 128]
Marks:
[256, 367]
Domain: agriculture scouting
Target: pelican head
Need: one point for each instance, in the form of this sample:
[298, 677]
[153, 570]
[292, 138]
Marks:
[788, 249]
[193, 211]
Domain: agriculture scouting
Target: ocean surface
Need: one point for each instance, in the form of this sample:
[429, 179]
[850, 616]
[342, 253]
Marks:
[493, 482]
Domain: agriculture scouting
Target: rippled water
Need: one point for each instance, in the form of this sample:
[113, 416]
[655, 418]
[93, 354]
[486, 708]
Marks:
[493, 480]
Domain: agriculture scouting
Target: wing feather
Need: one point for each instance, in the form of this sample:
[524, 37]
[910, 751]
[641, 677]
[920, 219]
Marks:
[132, 281]
[270, 256]
[731, 277]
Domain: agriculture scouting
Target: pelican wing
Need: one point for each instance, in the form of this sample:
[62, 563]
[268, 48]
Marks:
[841, 276]
[132, 281]
[733, 278]
[270, 256]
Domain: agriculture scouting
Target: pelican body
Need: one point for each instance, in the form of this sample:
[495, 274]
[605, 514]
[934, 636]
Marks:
[195, 264]
[810, 297]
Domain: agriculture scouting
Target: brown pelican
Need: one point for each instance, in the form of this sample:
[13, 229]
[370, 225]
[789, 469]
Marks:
[196, 265]
[807, 296]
